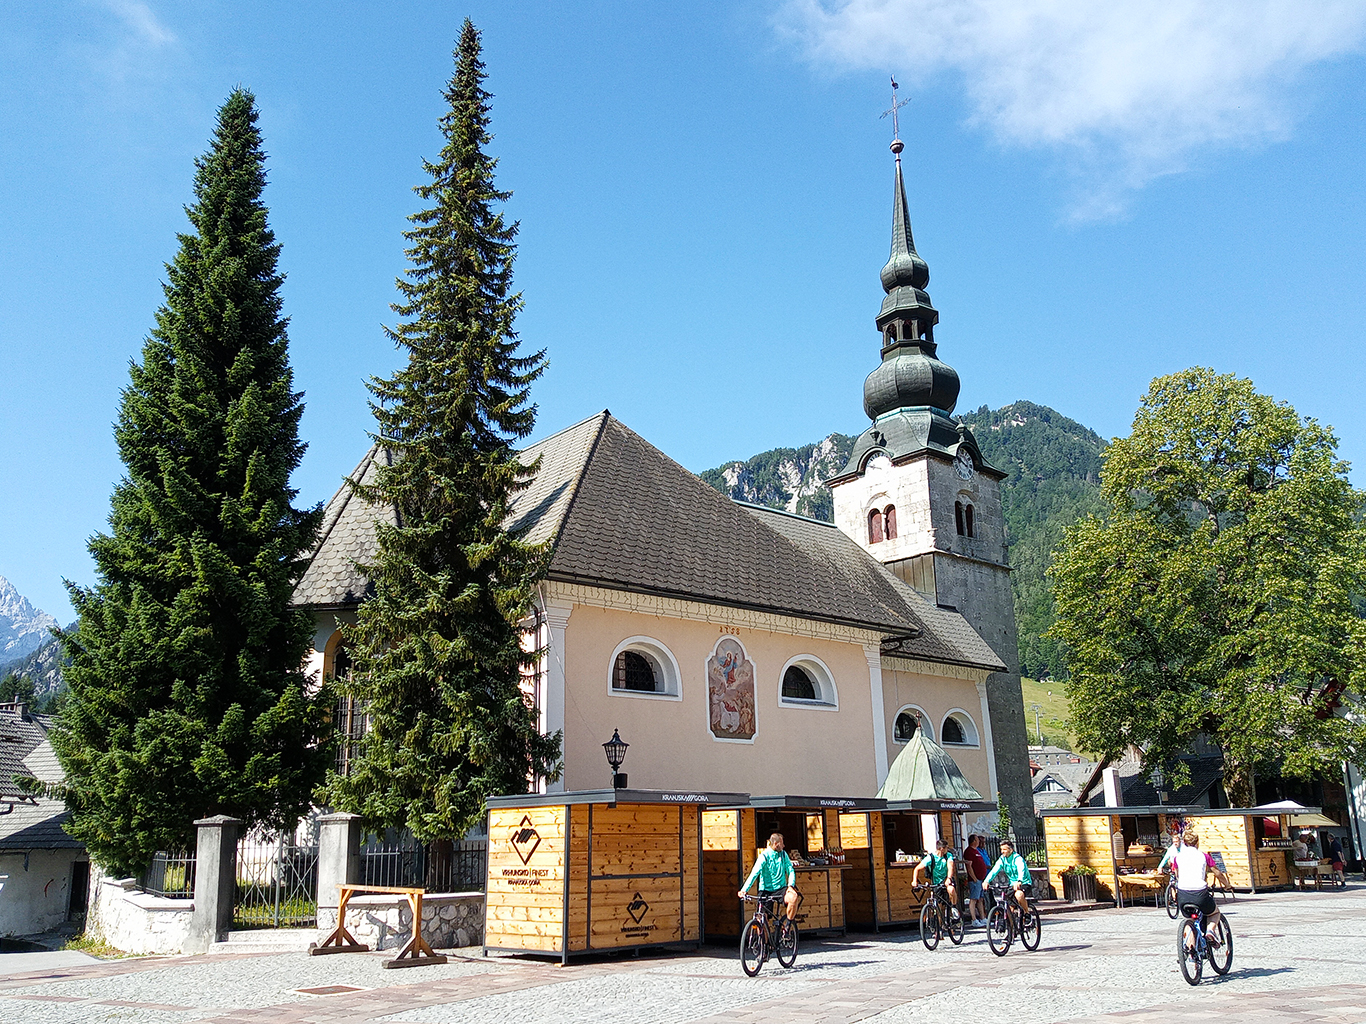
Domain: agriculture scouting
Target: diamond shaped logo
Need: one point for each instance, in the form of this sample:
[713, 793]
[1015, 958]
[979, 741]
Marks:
[637, 908]
[525, 839]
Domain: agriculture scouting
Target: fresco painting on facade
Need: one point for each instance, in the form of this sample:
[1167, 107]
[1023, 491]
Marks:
[730, 691]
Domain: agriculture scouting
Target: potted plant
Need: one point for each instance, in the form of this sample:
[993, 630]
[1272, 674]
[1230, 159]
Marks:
[1079, 884]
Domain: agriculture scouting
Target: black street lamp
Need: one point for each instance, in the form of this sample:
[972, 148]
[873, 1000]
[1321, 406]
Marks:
[615, 749]
[1159, 781]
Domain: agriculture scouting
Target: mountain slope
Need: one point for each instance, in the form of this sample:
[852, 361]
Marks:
[1054, 466]
[23, 628]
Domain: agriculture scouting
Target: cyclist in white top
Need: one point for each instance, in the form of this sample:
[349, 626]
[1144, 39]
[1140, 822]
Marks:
[1191, 865]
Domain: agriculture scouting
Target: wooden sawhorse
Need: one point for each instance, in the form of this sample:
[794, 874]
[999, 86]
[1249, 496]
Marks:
[415, 954]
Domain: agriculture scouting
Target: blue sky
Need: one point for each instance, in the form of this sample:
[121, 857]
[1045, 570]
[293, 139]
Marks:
[1103, 194]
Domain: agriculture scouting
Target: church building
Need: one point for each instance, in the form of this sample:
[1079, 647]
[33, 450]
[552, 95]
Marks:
[740, 648]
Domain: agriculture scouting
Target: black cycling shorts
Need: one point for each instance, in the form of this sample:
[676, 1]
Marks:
[773, 894]
[1204, 900]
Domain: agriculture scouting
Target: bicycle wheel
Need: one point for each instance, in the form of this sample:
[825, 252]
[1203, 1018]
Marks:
[1187, 951]
[929, 924]
[787, 943]
[753, 948]
[1221, 949]
[1000, 930]
[1031, 929]
[1173, 904]
[953, 924]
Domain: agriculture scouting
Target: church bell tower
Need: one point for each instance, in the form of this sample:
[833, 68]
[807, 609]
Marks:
[917, 495]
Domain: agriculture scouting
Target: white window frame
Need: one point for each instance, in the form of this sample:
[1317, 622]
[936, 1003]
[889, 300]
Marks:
[973, 737]
[829, 699]
[924, 721]
[661, 659]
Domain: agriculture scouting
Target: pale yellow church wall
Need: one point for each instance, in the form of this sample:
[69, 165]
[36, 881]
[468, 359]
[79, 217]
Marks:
[796, 750]
[937, 695]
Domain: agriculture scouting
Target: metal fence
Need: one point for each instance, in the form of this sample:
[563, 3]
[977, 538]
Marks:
[170, 874]
[397, 858]
[277, 880]
[1034, 850]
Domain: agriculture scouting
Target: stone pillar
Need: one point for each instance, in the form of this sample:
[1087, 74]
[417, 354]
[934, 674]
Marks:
[339, 837]
[215, 881]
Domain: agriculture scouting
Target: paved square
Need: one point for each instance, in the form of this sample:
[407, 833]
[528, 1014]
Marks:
[1297, 957]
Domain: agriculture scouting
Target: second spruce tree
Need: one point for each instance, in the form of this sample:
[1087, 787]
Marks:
[437, 650]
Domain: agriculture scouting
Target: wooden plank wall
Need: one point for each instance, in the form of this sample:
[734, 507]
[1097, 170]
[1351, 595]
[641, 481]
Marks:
[721, 875]
[578, 875]
[1081, 840]
[628, 844]
[858, 879]
[524, 906]
[1226, 834]
[897, 904]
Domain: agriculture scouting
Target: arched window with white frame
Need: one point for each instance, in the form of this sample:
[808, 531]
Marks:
[806, 681]
[958, 730]
[911, 719]
[642, 666]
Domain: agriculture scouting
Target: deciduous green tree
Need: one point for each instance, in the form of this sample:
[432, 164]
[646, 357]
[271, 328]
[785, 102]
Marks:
[1215, 594]
[437, 651]
[187, 696]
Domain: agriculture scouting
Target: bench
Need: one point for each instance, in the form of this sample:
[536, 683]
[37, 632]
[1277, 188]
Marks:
[415, 953]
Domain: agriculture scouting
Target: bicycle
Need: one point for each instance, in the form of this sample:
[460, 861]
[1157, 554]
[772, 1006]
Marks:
[758, 940]
[1007, 920]
[1193, 948]
[938, 916]
[1172, 900]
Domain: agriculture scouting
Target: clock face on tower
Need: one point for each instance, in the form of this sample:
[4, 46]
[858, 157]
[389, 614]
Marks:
[963, 463]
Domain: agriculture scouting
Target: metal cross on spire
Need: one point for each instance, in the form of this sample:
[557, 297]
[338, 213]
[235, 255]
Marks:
[896, 124]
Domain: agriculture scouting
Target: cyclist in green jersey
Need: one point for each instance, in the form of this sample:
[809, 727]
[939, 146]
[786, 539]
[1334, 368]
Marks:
[1013, 866]
[941, 868]
[773, 869]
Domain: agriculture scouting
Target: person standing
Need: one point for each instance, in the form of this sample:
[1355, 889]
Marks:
[976, 863]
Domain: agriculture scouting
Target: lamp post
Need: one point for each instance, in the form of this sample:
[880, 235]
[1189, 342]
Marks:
[615, 749]
[1037, 730]
[1158, 780]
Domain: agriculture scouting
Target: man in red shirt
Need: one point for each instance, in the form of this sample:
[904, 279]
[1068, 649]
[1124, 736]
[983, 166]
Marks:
[976, 863]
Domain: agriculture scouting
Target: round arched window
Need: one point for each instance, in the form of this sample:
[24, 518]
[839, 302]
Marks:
[953, 731]
[633, 671]
[798, 684]
[906, 726]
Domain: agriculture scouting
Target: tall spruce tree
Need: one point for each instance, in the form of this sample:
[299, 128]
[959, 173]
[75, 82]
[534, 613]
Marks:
[437, 650]
[187, 696]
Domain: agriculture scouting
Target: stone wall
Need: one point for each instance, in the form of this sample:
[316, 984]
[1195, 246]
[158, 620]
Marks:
[449, 920]
[134, 921]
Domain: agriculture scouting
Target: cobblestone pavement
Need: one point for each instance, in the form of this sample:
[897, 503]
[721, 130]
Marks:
[1299, 957]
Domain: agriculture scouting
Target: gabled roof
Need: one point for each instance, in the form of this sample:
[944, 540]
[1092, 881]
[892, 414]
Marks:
[26, 822]
[621, 515]
[926, 771]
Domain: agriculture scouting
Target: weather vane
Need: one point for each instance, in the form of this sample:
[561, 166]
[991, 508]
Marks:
[896, 125]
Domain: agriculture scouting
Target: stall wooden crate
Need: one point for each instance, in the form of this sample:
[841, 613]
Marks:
[584, 872]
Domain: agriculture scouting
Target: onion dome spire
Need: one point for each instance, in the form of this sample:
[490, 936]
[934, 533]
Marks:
[910, 375]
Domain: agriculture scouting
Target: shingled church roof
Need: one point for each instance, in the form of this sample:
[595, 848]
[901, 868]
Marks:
[621, 515]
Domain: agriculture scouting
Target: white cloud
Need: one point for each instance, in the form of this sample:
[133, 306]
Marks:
[141, 21]
[1127, 92]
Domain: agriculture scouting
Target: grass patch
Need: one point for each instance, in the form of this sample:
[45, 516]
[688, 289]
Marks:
[1051, 696]
[83, 943]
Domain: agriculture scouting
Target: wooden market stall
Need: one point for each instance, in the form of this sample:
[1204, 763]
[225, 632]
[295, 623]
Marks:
[882, 849]
[598, 870]
[1125, 844]
[733, 837]
[926, 797]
